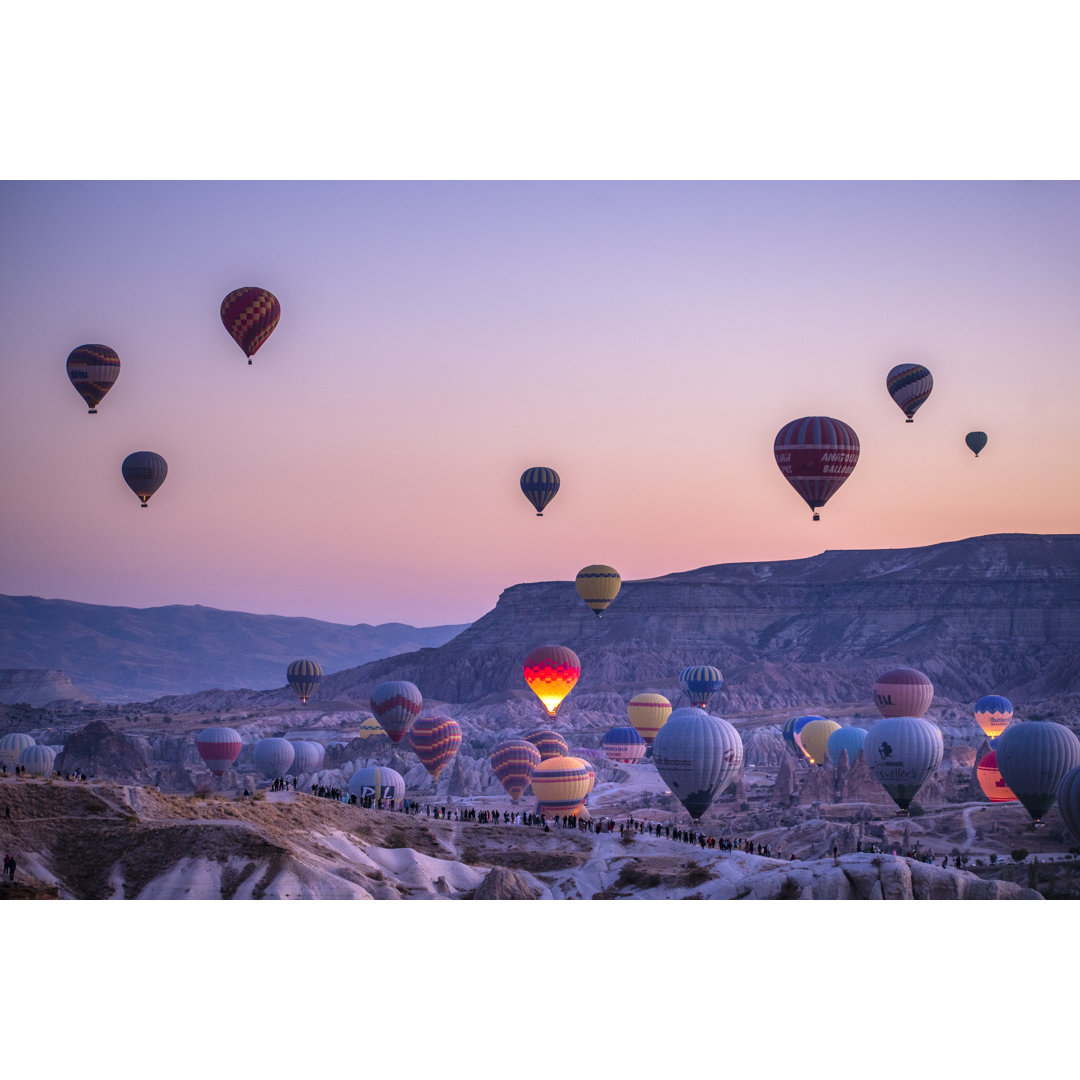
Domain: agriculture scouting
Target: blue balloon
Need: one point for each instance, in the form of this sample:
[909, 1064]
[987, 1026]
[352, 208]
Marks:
[698, 756]
[851, 739]
[700, 683]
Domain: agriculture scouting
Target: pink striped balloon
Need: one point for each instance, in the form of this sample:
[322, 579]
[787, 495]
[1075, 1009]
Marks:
[219, 747]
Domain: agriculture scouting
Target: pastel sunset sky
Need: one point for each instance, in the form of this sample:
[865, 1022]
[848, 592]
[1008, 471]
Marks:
[645, 339]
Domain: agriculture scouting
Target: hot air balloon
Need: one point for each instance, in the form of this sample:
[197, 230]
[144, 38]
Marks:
[552, 672]
[219, 747]
[435, 740]
[598, 585]
[1033, 759]
[144, 472]
[92, 370]
[909, 385]
[623, 744]
[697, 755]
[976, 441]
[700, 683]
[560, 785]
[37, 760]
[1068, 799]
[814, 739]
[250, 315]
[648, 713]
[369, 727]
[396, 706]
[992, 714]
[903, 692]
[307, 756]
[11, 746]
[539, 485]
[304, 676]
[990, 780]
[816, 454]
[273, 757]
[792, 731]
[549, 743]
[851, 739]
[377, 782]
[902, 753]
[513, 763]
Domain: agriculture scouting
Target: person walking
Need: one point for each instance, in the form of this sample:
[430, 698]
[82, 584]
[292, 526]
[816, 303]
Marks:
[11, 868]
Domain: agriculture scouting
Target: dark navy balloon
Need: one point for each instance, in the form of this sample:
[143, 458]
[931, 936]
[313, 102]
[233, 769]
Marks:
[975, 440]
[539, 486]
[1033, 759]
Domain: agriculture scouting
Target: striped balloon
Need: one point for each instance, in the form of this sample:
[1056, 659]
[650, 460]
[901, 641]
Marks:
[396, 706]
[307, 756]
[1068, 798]
[552, 671]
[990, 780]
[144, 472]
[37, 760]
[549, 743]
[698, 756]
[903, 692]
[539, 485]
[793, 732]
[648, 713]
[851, 739]
[435, 741]
[700, 683]
[902, 753]
[598, 585]
[304, 676]
[513, 763]
[816, 454]
[250, 315]
[1033, 758]
[11, 746]
[814, 739]
[273, 757]
[377, 781]
[992, 714]
[909, 385]
[92, 370]
[560, 785]
[219, 747]
[624, 745]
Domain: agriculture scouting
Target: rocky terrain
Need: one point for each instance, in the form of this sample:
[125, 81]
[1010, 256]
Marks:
[120, 654]
[40, 687]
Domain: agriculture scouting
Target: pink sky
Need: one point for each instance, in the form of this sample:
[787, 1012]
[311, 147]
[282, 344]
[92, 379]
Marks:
[647, 340]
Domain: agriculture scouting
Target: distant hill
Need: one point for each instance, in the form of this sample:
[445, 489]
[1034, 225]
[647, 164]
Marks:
[122, 654]
[990, 614]
[38, 687]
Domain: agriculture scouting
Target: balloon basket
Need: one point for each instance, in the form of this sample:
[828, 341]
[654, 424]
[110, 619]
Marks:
[249, 362]
[817, 517]
[93, 412]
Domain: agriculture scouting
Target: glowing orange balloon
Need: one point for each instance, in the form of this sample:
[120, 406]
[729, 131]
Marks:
[552, 671]
[989, 777]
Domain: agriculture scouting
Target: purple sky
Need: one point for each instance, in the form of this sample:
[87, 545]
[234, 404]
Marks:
[647, 340]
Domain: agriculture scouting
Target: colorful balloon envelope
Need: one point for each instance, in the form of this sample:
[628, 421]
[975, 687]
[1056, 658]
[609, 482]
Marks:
[539, 485]
[549, 743]
[903, 692]
[513, 763]
[396, 705]
[698, 756]
[377, 781]
[250, 315]
[219, 747]
[991, 781]
[92, 370]
[700, 682]
[273, 757]
[902, 753]
[624, 745]
[435, 741]
[1068, 799]
[851, 739]
[976, 441]
[793, 731]
[144, 472]
[12, 746]
[552, 671]
[648, 713]
[993, 714]
[814, 739]
[560, 785]
[1033, 759]
[307, 756]
[598, 585]
[304, 676]
[816, 454]
[909, 385]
